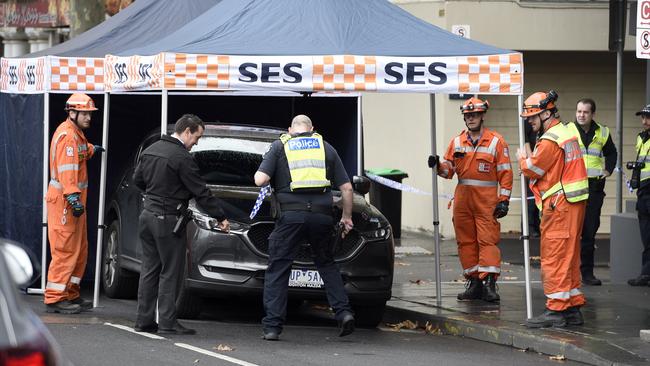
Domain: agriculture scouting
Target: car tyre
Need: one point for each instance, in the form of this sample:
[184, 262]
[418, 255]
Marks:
[116, 281]
[369, 316]
[188, 305]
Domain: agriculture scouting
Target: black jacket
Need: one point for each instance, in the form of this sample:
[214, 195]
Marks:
[169, 176]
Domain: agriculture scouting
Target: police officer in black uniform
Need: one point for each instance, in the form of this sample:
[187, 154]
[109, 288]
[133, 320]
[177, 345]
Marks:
[169, 176]
[301, 167]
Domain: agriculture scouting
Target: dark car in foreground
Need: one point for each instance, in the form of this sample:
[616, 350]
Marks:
[232, 264]
[24, 339]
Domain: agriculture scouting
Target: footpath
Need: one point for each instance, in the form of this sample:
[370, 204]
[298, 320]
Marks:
[615, 314]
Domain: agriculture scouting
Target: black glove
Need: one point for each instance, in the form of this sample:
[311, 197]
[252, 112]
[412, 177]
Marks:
[98, 149]
[77, 207]
[433, 161]
[501, 210]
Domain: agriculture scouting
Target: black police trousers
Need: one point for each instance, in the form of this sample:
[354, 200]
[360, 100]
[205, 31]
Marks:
[591, 225]
[291, 230]
[643, 212]
[163, 257]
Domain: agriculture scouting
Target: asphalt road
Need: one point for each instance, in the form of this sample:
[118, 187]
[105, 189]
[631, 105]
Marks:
[229, 334]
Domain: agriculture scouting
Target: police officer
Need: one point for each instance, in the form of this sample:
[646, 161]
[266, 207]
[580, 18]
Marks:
[599, 154]
[301, 167]
[641, 182]
[170, 177]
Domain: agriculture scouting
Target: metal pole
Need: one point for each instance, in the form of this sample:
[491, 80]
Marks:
[359, 138]
[102, 200]
[619, 127]
[46, 165]
[647, 84]
[524, 216]
[163, 112]
[434, 189]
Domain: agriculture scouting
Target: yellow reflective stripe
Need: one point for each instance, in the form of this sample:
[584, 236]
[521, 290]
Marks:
[645, 175]
[67, 167]
[470, 269]
[561, 295]
[310, 184]
[55, 286]
[306, 163]
[56, 184]
[575, 292]
[476, 182]
[505, 166]
[457, 146]
[489, 269]
[56, 142]
[535, 169]
[594, 172]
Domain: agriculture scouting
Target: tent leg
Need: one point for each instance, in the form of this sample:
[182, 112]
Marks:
[163, 112]
[359, 138]
[434, 189]
[524, 217]
[46, 164]
[102, 199]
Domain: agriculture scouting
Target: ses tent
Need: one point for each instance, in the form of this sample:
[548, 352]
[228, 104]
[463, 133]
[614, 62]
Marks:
[312, 47]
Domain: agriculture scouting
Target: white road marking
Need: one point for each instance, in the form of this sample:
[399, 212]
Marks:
[215, 355]
[411, 250]
[129, 329]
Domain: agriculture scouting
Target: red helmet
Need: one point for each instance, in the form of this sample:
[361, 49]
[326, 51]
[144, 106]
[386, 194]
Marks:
[473, 105]
[80, 102]
[539, 102]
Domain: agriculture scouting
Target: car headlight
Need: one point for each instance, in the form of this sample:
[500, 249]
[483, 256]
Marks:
[377, 234]
[209, 223]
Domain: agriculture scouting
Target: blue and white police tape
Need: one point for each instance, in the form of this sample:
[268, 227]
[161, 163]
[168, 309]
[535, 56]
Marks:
[264, 191]
[627, 181]
[406, 188]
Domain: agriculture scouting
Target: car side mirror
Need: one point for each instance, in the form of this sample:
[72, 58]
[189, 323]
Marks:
[19, 262]
[361, 184]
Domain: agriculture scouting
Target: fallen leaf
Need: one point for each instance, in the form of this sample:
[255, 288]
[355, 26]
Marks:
[418, 282]
[557, 358]
[431, 329]
[223, 348]
[406, 324]
[402, 264]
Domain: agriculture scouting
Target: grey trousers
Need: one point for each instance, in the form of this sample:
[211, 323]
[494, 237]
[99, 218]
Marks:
[163, 257]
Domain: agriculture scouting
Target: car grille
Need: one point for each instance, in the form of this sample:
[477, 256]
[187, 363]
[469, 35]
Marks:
[259, 233]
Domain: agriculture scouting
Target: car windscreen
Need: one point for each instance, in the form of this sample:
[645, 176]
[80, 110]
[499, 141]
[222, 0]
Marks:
[229, 160]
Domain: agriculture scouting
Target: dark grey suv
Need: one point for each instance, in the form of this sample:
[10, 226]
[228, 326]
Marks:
[233, 264]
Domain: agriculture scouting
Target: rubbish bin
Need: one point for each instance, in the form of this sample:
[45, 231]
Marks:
[388, 200]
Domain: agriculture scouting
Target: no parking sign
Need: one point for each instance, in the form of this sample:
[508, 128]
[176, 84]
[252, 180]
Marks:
[643, 29]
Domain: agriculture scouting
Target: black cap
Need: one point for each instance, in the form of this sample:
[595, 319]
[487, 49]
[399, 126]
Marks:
[645, 110]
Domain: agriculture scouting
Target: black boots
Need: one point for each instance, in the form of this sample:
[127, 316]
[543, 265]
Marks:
[642, 280]
[573, 316]
[490, 289]
[549, 318]
[474, 290]
[589, 279]
[63, 307]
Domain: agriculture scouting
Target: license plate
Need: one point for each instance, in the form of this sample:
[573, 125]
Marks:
[305, 278]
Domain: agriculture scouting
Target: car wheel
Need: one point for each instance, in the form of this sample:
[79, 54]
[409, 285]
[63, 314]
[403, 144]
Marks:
[188, 305]
[116, 281]
[369, 315]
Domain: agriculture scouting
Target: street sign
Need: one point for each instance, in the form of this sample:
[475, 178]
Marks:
[461, 30]
[643, 29]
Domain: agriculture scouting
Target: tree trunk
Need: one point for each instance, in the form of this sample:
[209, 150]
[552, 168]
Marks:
[85, 14]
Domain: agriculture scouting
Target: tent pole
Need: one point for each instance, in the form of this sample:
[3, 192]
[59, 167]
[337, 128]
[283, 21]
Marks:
[102, 200]
[46, 165]
[359, 138]
[163, 112]
[524, 215]
[434, 189]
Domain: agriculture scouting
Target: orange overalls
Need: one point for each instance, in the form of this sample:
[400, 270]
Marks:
[561, 224]
[69, 151]
[484, 179]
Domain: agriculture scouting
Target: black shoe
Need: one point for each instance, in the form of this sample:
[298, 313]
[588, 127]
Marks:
[490, 289]
[642, 280]
[83, 304]
[271, 335]
[149, 328]
[548, 318]
[573, 316]
[177, 329]
[591, 280]
[474, 290]
[63, 307]
[346, 325]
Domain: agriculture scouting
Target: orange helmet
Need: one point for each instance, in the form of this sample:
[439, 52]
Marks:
[80, 102]
[539, 102]
[473, 105]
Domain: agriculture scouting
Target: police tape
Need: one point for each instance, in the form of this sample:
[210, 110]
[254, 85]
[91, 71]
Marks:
[264, 191]
[406, 188]
[627, 181]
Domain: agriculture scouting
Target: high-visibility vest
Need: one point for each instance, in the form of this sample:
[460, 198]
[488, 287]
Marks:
[573, 183]
[643, 151]
[306, 158]
[593, 156]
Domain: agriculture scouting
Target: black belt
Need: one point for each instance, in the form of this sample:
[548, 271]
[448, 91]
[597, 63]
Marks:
[307, 206]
